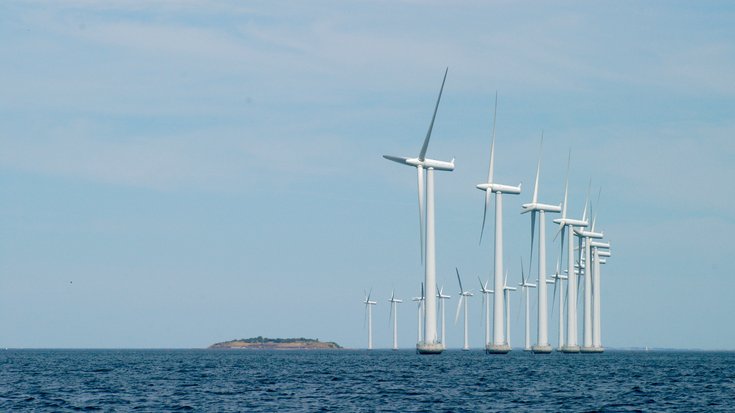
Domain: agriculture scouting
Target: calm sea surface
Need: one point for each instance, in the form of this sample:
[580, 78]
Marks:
[248, 381]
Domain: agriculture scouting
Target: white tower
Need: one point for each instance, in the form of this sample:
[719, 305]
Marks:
[463, 297]
[542, 341]
[506, 293]
[486, 306]
[420, 301]
[588, 267]
[525, 286]
[499, 344]
[369, 311]
[599, 249]
[394, 313]
[441, 296]
[568, 224]
[430, 344]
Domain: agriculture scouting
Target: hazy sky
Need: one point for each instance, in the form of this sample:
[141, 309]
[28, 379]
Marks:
[174, 174]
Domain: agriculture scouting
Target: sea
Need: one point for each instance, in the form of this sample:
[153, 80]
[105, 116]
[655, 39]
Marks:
[361, 380]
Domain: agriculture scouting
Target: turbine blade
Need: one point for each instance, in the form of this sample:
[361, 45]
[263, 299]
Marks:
[369, 294]
[422, 154]
[587, 201]
[459, 306]
[421, 178]
[492, 145]
[538, 170]
[422, 290]
[523, 274]
[484, 213]
[399, 159]
[597, 209]
[482, 288]
[461, 290]
[566, 186]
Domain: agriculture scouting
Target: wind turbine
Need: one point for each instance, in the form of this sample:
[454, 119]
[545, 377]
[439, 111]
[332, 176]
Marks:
[542, 341]
[525, 285]
[567, 225]
[369, 311]
[394, 313]
[463, 297]
[601, 250]
[586, 237]
[486, 306]
[557, 279]
[429, 344]
[441, 296]
[499, 345]
[420, 300]
[506, 292]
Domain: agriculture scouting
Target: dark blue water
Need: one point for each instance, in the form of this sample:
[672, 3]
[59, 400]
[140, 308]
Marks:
[247, 381]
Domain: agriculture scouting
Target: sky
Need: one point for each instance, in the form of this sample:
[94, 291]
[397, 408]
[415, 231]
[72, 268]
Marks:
[178, 173]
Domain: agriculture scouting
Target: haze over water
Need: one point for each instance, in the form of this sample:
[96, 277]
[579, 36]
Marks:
[237, 380]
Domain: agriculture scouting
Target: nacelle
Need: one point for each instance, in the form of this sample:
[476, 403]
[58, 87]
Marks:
[571, 222]
[589, 234]
[505, 189]
[431, 163]
[540, 207]
[603, 253]
[598, 244]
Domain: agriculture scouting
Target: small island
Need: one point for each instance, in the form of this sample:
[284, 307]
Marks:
[265, 343]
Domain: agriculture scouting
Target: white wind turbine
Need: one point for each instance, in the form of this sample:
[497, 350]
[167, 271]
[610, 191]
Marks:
[441, 296]
[369, 311]
[567, 225]
[542, 340]
[420, 301]
[463, 297]
[557, 279]
[599, 249]
[525, 285]
[394, 313]
[429, 344]
[602, 250]
[486, 307]
[586, 264]
[499, 345]
[506, 293]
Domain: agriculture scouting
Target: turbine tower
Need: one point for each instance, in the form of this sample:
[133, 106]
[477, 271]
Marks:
[420, 300]
[394, 315]
[567, 225]
[463, 297]
[600, 249]
[525, 285]
[369, 312]
[425, 168]
[499, 345]
[441, 296]
[586, 237]
[557, 279]
[486, 306]
[506, 293]
[542, 340]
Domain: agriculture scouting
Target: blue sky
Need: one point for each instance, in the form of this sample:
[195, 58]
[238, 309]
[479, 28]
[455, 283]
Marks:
[178, 173]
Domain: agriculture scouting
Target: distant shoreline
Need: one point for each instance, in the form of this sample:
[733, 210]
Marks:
[265, 343]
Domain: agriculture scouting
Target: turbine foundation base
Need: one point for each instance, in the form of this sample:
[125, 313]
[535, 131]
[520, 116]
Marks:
[429, 348]
[592, 350]
[541, 349]
[570, 349]
[497, 349]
